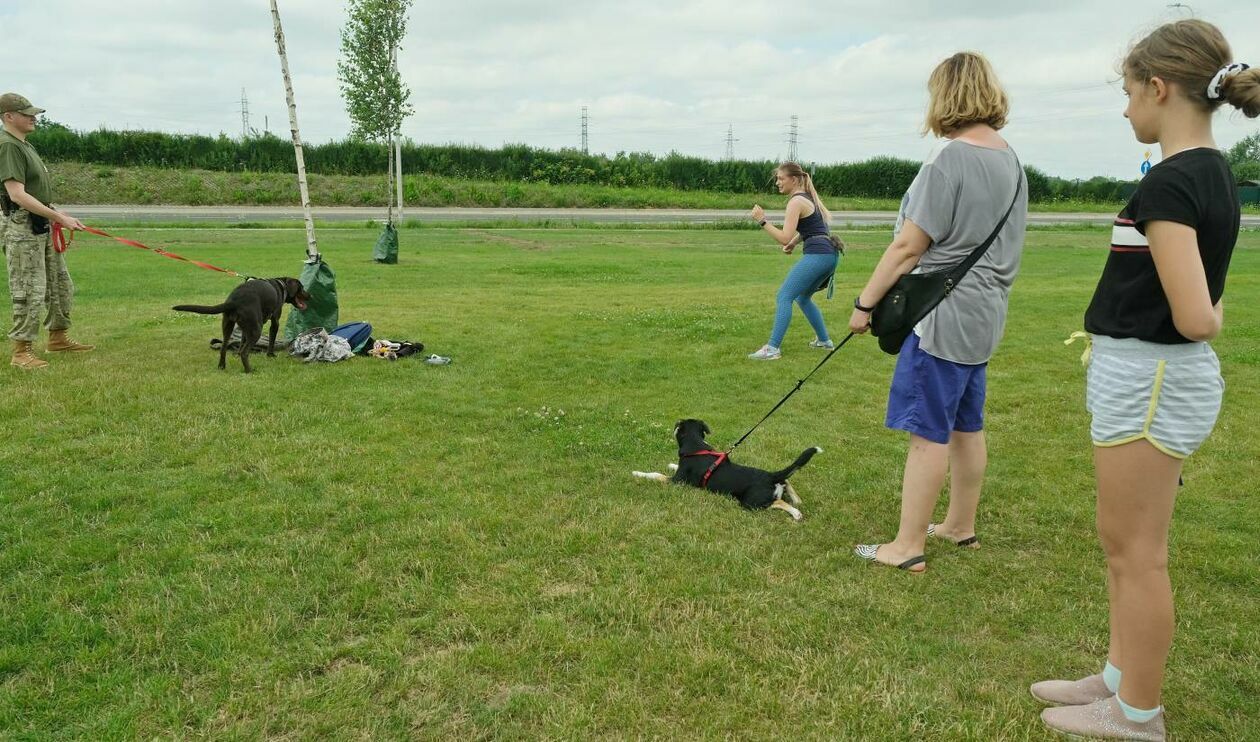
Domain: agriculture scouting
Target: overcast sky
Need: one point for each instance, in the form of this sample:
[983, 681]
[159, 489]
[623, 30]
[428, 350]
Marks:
[656, 75]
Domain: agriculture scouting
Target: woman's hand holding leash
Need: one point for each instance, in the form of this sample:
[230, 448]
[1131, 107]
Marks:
[860, 320]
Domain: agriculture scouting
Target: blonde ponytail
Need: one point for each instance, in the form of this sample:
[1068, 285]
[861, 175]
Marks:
[809, 183]
[1242, 91]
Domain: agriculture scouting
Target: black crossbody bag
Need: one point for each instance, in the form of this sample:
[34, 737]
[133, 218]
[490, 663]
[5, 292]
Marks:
[915, 295]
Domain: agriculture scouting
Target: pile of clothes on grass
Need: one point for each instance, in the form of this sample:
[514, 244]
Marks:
[355, 338]
[342, 342]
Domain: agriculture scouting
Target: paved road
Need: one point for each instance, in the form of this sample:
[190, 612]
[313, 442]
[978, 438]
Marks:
[237, 214]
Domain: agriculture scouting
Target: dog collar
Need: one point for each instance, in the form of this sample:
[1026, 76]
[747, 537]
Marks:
[704, 483]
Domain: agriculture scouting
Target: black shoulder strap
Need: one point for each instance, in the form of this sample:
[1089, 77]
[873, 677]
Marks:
[810, 198]
[961, 269]
[807, 196]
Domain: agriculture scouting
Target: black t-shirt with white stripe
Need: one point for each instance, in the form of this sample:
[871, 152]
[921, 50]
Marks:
[1195, 188]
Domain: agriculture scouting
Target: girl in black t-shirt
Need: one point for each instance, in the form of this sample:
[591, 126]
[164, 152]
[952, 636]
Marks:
[1154, 386]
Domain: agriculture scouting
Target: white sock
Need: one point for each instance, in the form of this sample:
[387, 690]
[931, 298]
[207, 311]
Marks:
[1111, 677]
[1138, 715]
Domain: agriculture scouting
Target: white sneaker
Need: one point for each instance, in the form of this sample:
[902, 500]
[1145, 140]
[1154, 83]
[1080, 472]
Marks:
[766, 353]
[824, 344]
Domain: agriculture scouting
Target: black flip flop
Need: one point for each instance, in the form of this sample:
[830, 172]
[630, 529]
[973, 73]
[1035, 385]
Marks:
[868, 552]
[912, 561]
[968, 542]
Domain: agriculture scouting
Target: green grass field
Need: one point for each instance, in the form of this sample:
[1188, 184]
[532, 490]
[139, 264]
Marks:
[395, 550]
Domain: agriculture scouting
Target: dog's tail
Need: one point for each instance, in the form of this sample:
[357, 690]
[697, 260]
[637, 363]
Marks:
[216, 309]
[802, 460]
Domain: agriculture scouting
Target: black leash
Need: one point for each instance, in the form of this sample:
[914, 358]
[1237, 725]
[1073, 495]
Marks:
[799, 384]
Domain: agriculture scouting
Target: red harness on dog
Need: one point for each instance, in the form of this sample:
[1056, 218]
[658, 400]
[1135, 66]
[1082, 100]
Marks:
[704, 483]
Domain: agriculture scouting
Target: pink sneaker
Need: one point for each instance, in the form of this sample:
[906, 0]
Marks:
[1071, 692]
[1103, 720]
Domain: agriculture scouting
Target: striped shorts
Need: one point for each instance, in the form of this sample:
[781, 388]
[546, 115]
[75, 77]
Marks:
[1168, 395]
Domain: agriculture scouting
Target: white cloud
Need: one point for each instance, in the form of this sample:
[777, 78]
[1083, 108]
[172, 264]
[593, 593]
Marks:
[656, 75]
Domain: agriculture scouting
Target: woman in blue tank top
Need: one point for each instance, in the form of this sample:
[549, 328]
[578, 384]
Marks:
[805, 222]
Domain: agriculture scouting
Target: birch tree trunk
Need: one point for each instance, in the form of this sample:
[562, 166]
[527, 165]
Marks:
[312, 252]
[398, 171]
[389, 187]
[398, 174]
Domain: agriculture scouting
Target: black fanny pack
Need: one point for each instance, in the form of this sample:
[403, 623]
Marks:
[825, 240]
[39, 224]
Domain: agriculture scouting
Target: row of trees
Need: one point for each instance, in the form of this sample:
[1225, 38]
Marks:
[880, 177]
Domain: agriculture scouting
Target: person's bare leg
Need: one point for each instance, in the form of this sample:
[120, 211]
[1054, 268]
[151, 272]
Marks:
[926, 463]
[968, 458]
[1137, 489]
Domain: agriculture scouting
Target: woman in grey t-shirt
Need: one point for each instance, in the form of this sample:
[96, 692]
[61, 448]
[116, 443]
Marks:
[938, 388]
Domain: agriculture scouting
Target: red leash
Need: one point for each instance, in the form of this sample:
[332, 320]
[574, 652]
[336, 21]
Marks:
[60, 244]
[59, 237]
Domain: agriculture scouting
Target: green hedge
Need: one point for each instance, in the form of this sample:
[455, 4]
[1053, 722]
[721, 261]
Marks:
[879, 177]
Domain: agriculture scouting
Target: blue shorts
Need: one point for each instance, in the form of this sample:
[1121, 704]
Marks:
[931, 397]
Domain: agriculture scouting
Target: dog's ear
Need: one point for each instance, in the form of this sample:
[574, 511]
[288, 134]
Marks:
[677, 427]
[705, 426]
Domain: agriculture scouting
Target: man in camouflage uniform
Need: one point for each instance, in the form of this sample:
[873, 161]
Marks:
[38, 279]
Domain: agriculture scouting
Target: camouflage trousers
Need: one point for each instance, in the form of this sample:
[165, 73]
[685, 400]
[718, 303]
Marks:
[39, 284]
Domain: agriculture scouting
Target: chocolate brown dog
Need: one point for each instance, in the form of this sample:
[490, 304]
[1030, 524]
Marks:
[701, 466]
[249, 305]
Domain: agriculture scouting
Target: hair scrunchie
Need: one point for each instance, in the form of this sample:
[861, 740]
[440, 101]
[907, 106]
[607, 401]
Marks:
[1214, 88]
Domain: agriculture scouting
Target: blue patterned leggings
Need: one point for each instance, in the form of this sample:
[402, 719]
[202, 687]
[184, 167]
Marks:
[799, 286]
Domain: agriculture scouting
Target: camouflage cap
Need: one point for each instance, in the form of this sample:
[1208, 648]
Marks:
[10, 102]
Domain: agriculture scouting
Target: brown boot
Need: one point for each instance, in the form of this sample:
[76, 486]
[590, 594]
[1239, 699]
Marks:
[57, 341]
[24, 358]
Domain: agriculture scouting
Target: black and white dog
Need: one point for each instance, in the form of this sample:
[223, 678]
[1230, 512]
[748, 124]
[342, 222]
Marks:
[701, 466]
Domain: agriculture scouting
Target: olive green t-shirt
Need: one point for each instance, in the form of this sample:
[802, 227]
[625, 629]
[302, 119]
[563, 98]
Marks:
[20, 162]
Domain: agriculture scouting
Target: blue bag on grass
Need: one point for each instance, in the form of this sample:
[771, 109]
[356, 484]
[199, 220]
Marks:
[358, 334]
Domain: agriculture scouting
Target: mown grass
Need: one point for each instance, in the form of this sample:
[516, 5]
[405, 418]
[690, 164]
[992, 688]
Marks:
[395, 550]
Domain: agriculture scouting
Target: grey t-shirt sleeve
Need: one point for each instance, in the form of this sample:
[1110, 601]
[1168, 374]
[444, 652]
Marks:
[932, 200]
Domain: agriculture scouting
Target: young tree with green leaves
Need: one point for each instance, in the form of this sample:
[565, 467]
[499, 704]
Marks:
[1244, 157]
[376, 97]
